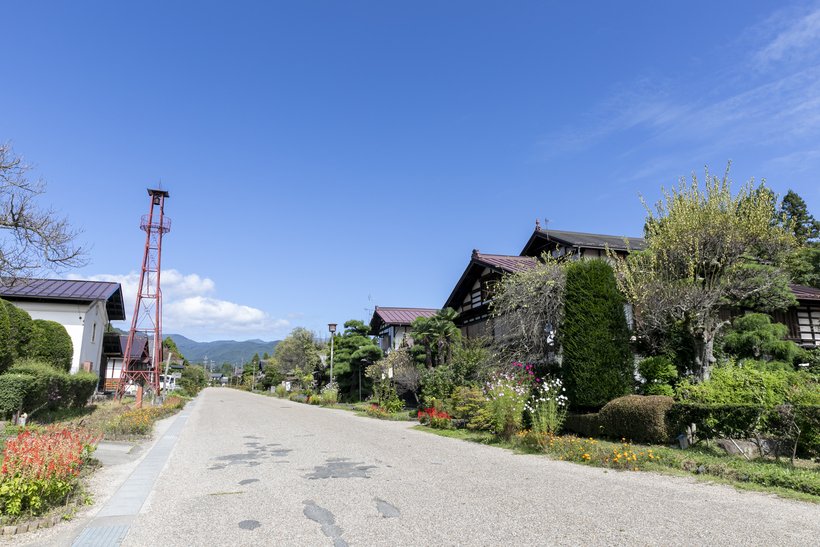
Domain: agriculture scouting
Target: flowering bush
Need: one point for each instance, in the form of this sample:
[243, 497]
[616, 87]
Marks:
[40, 469]
[547, 408]
[507, 394]
[330, 394]
[140, 421]
[437, 419]
[377, 411]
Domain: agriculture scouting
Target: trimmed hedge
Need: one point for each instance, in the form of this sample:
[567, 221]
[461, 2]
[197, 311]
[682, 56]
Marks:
[597, 363]
[640, 418]
[586, 425]
[51, 343]
[44, 387]
[14, 388]
[20, 329]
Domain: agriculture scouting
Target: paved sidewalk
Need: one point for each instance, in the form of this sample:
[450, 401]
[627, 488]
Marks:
[111, 524]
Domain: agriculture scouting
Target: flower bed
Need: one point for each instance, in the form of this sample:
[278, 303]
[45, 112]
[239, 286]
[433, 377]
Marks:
[40, 469]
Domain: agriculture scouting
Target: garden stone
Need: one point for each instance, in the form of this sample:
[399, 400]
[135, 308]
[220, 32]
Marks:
[22, 528]
[9, 530]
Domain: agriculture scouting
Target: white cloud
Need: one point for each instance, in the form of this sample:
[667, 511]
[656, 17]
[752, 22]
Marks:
[190, 308]
[796, 37]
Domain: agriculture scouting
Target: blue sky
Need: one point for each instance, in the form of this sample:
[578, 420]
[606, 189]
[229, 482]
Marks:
[326, 157]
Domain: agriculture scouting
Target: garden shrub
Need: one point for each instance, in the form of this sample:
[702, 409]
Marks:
[81, 387]
[597, 361]
[280, 391]
[586, 425]
[14, 388]
[547, 408]
[20, 329]
[506, 394]
[733, 420]
[755, 336]
[640, 418]
[49, 387]
[659, 374]
[437, 419]
[192, 380]
[466, 402]
[51, 343]
[747, 382]
[40, 469]
[329, 395]
[437, 384]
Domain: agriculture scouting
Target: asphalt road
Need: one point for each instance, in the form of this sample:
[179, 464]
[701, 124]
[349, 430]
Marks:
[254, 470]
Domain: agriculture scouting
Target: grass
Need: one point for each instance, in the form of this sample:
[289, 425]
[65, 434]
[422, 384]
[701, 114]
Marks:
[704, 463]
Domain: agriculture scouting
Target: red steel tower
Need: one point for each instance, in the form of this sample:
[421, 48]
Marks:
[146, 323]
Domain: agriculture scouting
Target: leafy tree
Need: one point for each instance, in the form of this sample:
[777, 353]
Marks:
[597, 360]
[528, 308]
[298, 350]
[706, 249]
[354, 352]
[797, 219]
[271, 377]
[754, 336]
[438, 335]
[170, 346]
[50, 343]
[193, 379]
[423, 333]
[36, 238]
[803, 265]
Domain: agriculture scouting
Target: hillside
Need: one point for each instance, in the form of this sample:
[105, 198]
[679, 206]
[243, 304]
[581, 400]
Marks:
[221, 351]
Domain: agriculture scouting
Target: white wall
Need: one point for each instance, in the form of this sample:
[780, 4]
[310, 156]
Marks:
[79, 321]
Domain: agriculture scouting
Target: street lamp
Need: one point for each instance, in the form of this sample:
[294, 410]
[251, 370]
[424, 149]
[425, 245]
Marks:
[332, 328]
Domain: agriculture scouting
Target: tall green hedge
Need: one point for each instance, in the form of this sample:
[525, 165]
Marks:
[20, 329]
[597, 360]
[6, 345]
[51, 343]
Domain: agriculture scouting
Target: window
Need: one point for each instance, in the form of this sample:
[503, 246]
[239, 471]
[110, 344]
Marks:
[93, 332]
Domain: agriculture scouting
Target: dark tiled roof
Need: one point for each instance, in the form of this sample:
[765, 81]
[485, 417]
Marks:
[506, 263]
[138, 348]
[400, 316]
[595, 241]
[802, 292]
[67, 290]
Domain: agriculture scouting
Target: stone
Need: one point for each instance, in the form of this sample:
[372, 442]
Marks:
[22, 528]
[9, 530]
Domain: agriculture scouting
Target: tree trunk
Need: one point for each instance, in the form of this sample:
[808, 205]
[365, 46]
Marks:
[704, 354]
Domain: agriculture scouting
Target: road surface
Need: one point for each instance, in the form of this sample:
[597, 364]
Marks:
[253, 470]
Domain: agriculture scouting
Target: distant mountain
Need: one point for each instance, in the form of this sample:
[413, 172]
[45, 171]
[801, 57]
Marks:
[221, 351]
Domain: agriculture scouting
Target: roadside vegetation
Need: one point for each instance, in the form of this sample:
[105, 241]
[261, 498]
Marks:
[666, 359]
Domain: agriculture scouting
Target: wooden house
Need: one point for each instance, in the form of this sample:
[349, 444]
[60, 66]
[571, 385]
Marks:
[561, 243]
[392, 325]
[472, 293]
[803, 320]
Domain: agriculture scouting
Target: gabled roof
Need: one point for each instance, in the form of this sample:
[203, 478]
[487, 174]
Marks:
[583, 240]
[803, 292]
[502, 264]
[397, 316]
[66, 290]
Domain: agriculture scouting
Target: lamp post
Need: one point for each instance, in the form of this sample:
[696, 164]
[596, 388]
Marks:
[332, 328]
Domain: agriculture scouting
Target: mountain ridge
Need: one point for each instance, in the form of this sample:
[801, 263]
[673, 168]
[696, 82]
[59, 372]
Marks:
[222, 351]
